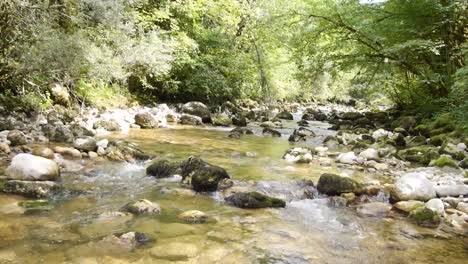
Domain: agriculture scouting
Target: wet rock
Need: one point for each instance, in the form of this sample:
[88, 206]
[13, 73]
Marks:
[204, 177]
[69, 152]
[221, 119]
[35, 189]
[146, 120]
[413, 186]
[4, 148]
[142, 207]
[125, 151]
[17, 138]
[254, 200]
[163, 169]
[186, 119]
[127, 241]
[338, 201]
[85, 143]
[436, 205]
[285, 115]
[453, 190]
[421, 154]
[193, 216]
[287, 190]
[32, 168]
[408, 206]
[242, 131]
[348, 196]
[271, 132]
[374, 209]
[303, 123]
[267, 124]
[240, 121]
[298, 155]
[425, 217]
[109, 125]
[332, 184]
[197, 109]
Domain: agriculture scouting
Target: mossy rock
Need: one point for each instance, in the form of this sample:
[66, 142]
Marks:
[285, 115]
[421, 154]
[163, 169]
[36, 206]
[332, 184]
[416, 141]
[422, 130]
[204, 177]
[451, 149]
[464, 165]
[444, 161]
[438, 140]
[425, 217]
[406, 122]
[443, 120]
[254, 200]
[125, 151]
[221, 120]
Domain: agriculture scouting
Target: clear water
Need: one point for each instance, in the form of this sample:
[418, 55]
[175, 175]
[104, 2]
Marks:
[306, 231]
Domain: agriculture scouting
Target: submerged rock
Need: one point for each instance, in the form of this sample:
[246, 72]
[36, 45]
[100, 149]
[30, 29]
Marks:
[254, 200]
[204, 176]
[35, 189]
[28, 167]
[193, 216]
[163, 169]
[375, 209]
[242, 131]
[142, 207]
[271, 132]
[332, 184]
[109, 125]
[36, 206]
[413, 186]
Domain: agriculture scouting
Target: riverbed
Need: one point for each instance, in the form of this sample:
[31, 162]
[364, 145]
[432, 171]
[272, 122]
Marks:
[306, 231]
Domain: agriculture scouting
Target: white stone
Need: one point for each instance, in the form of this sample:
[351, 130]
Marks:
[453, 190]
[28, 167]
[102, 143]
[436, 205]
[370, 154]
[349, 158]
[414, 186]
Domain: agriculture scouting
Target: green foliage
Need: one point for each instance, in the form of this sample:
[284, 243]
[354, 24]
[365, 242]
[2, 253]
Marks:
[103, 95]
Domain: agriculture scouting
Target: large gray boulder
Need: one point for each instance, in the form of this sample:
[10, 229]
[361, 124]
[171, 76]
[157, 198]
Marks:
[197, 109]
[146, 120]
[85, 144]
[28, 167]
[413, 186]
[17, 138]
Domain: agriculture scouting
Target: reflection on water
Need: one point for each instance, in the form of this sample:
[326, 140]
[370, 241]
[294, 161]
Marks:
[306, 231]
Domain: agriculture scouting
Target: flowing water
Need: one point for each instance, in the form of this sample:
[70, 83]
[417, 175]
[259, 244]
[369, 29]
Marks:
[306, 231]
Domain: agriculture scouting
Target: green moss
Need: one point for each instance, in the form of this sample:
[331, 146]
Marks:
[425, 217]
[443, 120]
[438, 140]
[422, 130]
[421, 154]
[444, 161]
[406, 122]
